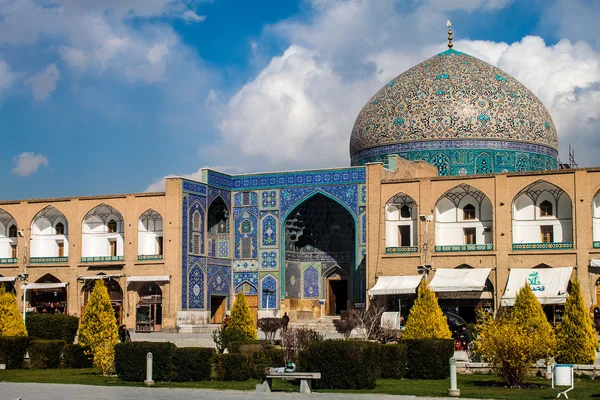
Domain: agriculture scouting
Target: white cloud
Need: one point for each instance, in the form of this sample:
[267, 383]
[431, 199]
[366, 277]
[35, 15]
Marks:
[28, 163]
[44, 83]
[191, 16]
[6, 76]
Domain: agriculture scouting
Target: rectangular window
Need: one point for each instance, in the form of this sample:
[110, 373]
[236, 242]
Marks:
[246, 247]
[547, 233]
[113, 248]
[335, 243]
[13, 249]
[196, 243]
[61, 249]
[404, 232]
[212, 244]
[159, 245]
[246, 198]
[470, 235]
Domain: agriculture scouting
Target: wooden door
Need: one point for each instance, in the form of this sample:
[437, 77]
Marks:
[218, 308]
[330, 298]
[598, 293]
[252, 301]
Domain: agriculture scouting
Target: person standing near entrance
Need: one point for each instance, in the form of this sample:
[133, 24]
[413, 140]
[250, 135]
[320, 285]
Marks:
[226, 321]
[124, 335]
[286, 321]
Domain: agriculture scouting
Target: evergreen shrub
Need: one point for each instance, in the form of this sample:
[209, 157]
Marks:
[53, 326]
[231, 367]
[45, 354]
[260, 356]
[344, 364]
[77, 356]
[228, 339]
[12, 351]
[241, 318]
[393, 359]
[130, 360]
[426, 319]
[428, 358]
[11, 320]
[191, 364]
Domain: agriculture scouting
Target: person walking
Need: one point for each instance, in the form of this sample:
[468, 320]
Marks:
[286, 321]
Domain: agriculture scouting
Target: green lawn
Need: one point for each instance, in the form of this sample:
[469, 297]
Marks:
[478, 386]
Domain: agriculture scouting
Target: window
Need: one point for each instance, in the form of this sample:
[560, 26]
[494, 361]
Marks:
[547, 233]
[470, 235]
[159, 245]
[13, 249]
[196, 243]
[405, 211]
[335, 243]
[245, 198]
[12, 231]
[246, 247]
[113, 248]
[196, 220]
[112, 226]
[60, 229]
[404, 232]
[546, 209]
[468, 212]
[61, 249]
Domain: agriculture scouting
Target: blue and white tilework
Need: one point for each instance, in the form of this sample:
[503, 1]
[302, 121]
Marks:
[269, 225]
[223, 248]
[252, 199]
[269, 283]
[251, 278]
[269, 259]
[214, 192]
[245, 265]
[311, 282]
[218, 282]
[268, 199]
[244, 218]
[197, 289]
[345, 194]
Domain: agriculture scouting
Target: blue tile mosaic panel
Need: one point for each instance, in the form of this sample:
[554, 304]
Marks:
[293, 281]
[218, 282]
[214, 192]
[223, 246]
[269, 231]
[246, 199]
[219, 179]
[196, 205]
[269, 259]
[345, 194]
[352, 175]
[311, 282]
[269, 283]
[269, 199]
[245, 265]
[239, 216]
[196, 294]
[194, 187]
[251, 278]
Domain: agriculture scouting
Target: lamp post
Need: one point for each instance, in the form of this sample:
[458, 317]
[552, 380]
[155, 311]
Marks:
[427, 219]
[268, 292]
[23, 277]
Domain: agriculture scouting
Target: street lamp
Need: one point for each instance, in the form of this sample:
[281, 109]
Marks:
[426, 267]
[268, 292]
[23, 277]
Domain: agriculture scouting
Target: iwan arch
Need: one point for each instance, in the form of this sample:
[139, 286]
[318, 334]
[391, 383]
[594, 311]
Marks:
[461, 179]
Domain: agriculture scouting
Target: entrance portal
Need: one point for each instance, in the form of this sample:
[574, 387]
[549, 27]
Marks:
[148, 313]
[337, 296]
[218, 307]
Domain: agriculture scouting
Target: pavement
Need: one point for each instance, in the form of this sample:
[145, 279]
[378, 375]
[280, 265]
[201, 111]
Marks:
[48, 391]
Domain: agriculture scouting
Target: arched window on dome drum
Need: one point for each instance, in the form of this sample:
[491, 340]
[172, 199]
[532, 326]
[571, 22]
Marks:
[112, 226]
[60, 228]
[546, 209]
[12, 231]
[405, 211]
[469, 212]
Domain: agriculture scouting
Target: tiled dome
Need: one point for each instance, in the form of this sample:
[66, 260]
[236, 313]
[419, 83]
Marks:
[453, 101]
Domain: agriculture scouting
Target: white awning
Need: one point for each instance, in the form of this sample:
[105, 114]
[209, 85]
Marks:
[459, 280]
[549, 285]
[594, 263]
[162, 278]
[92, 277]
[34, 286]
[8, 278]
[395, 285]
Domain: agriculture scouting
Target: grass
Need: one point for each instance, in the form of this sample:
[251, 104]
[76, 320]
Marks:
[474, 386]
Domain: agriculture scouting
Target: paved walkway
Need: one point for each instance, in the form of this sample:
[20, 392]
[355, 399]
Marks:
[47, 391]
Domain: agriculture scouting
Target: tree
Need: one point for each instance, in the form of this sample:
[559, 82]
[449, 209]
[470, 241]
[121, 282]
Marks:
[11, 320]
[99, 328]
[517, 338]
[241, 319]
[576, 339]
[426, 319]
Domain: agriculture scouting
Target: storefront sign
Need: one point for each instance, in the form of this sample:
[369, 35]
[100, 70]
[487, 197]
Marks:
[464, 295]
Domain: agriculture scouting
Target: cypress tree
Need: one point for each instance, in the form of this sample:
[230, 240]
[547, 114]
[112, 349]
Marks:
[576, 339]
[11, 320]
[241, 318]
[528, 314]
[426, 319]
[99, 328]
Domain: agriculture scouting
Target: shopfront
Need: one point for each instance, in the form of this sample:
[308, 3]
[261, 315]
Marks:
[149, 306]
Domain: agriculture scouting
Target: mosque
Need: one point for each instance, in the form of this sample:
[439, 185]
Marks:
[454, 179]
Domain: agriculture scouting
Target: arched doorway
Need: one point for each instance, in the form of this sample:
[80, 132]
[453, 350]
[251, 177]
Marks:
[114, 291]
[148, 314]
[218, 229]
[48, 295]
[8, 283]
[320, 256]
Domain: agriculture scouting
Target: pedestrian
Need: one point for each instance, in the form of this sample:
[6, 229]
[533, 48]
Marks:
[286, 321]
[226, 321]
[124, 335]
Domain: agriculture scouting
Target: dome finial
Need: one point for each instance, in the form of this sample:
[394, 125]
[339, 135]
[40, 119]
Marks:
[449, 24]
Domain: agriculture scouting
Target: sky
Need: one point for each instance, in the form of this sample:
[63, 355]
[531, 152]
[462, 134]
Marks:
[111, 96]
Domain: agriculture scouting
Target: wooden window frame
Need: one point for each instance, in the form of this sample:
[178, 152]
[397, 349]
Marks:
[469, 213]
[546, 209]
[109, 226]
[60, 231]
[548, 234]
[470, 233]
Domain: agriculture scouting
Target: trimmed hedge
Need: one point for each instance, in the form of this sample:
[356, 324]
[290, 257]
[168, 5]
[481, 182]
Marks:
[257, 360]
[45, 353]
[343, 364]
[12, 351]
[52, 326]
[231, 367]
[191, 364]
[429, 358]
[130, 360]
[393, 359]
[74, 356]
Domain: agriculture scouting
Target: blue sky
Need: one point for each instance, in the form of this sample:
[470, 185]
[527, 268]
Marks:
[111, 96]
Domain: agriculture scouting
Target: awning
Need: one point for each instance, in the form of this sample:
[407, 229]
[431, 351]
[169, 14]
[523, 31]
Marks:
[549, 285]
[162, 278]
[594, 263]
[8, 278]
[92, 277]
[35, 286]
[395, 285]
[459, 280]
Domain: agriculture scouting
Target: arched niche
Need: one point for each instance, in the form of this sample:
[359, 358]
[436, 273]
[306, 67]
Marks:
[218, 228]
[49, 235]
[50, 297]
[102, 233]
[400, 222]
[542, 215]
[149, 308]
[150, 235]
[8, 236]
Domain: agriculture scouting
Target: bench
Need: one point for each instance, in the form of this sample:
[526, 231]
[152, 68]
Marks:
[306, 379]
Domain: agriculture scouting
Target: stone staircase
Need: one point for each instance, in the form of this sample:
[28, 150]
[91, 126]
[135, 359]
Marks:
[322, 325]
